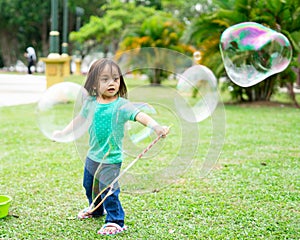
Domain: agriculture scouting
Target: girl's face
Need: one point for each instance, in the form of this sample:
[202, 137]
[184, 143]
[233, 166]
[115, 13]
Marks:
[109, 83]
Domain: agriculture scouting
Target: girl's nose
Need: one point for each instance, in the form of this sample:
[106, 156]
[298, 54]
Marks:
[110, 81]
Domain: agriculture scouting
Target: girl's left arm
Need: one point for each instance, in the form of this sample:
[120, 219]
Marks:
[148, 121]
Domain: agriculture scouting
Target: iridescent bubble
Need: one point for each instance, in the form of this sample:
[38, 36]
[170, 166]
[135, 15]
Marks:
[55, 112]
[252, 52]
[199, 97]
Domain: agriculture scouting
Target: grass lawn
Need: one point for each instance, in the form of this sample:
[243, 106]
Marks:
[253, 192]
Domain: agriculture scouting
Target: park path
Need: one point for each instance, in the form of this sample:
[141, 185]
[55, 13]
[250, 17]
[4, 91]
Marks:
[16, 89]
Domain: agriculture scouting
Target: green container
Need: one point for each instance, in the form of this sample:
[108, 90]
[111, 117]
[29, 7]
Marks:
[4, 205]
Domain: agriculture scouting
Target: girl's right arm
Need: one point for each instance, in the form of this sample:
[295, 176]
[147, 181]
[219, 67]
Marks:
[148, 121]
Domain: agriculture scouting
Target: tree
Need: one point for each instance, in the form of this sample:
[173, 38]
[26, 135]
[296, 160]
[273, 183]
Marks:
[128, 25]
[282, 16]
[159, 31]
[108, 30]
[21, 22]
[27, 22]
[186, 11]
[156, 4]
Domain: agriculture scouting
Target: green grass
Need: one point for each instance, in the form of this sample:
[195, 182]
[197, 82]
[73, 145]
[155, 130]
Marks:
[252, 193]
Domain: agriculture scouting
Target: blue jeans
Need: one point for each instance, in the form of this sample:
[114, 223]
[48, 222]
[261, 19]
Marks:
[106, 174]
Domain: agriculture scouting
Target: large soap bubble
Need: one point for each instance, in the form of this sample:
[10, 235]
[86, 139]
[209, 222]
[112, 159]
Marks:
[191, 142]
[252, 52]
[198, 88]
[169, 158]
[156, 59]
[55, 112]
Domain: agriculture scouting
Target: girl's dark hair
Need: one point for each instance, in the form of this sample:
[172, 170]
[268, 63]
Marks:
[94, 73]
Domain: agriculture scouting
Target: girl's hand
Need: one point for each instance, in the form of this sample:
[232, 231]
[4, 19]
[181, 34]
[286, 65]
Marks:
[161, 130]
[57, 134]
[146, 120]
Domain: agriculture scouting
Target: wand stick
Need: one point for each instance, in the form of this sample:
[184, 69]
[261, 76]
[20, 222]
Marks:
[110, 187]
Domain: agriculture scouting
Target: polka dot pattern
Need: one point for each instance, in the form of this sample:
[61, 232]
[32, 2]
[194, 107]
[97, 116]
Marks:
[107, 130]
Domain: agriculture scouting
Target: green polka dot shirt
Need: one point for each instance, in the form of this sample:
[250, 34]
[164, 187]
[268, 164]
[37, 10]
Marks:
[107, 128]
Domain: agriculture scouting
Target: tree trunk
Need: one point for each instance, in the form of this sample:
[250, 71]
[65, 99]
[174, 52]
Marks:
[44, 37]
[298, 73]
[269, 91]
[9, 47]
[260, 92]
[156, 78]
[292, 94]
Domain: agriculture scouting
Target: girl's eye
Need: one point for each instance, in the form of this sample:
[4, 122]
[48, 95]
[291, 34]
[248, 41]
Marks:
[105, 80]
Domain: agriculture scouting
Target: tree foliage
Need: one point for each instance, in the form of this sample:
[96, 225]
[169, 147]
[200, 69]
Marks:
[282, 16]
[115, 25]
[161, 31]
[108, 30]
[20, 24]
[26, 23]
[132, 25]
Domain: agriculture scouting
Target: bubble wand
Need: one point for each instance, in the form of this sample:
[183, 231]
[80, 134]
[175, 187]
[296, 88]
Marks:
[110, 186]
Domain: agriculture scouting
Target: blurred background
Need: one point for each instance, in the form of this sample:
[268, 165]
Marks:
[89, 29]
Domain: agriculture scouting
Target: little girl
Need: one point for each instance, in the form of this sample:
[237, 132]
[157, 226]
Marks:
[111, 110]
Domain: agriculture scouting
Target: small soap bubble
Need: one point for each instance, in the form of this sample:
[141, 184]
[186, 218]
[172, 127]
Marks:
[198, 94]
[197, 56]
[252, 52]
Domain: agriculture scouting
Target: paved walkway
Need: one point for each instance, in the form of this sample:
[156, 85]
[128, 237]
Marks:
[16, 89]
